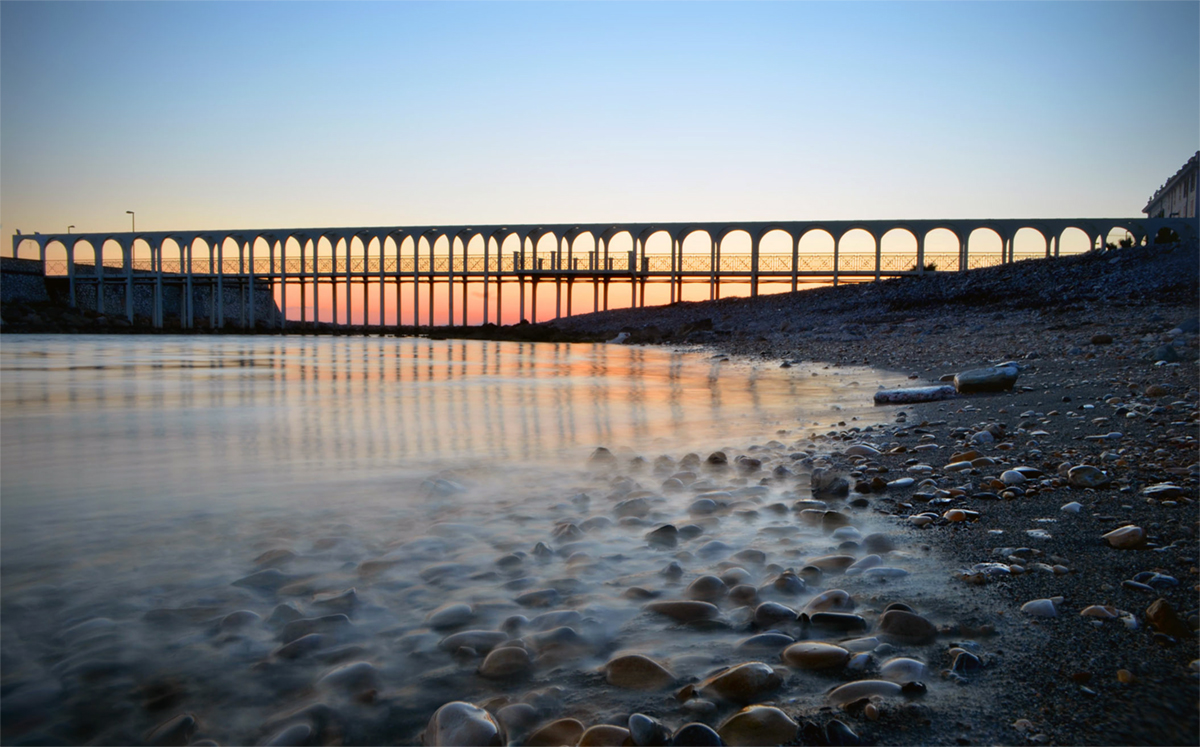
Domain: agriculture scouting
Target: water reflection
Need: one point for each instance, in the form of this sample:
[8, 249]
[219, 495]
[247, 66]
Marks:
[187, 418]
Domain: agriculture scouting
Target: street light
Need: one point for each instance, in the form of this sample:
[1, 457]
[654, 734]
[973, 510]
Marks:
[132, 221]
[69, 228]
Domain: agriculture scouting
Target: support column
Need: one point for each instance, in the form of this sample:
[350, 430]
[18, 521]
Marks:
[878, 257]
[754, 245]
[717, 270]
[486, 274]
[416, 320]
[963, 263]
[240, 284]
[282, 280]
[128, 254]
[188, 306]
[71, 275]
[521, 278]
[349, 284]
[450, 282]
[221, 284]
[303, 282]
[921, 254]
[158, 285]
[837, 243]
[465, 279]
[432, 271]
[250, 291]
[795, 262]
[499, 283]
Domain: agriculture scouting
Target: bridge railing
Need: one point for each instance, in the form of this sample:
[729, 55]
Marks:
[771, 264]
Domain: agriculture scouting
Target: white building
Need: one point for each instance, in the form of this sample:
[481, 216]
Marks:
[1178, 197]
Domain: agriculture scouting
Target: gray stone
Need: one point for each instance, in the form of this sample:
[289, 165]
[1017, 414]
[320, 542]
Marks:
[994, 379]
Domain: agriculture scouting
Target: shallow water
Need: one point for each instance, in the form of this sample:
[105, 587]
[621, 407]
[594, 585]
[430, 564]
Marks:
[142, 478]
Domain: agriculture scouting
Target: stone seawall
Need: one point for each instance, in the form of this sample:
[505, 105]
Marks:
[235, 305]
[22, 280]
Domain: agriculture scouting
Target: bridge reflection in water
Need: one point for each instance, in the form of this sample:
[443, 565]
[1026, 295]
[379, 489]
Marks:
[398, 262]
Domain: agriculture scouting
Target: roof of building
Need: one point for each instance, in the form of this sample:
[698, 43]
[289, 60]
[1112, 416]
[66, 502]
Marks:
[1191, 164]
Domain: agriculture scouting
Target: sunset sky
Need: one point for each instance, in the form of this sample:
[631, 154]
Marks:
[226, 115]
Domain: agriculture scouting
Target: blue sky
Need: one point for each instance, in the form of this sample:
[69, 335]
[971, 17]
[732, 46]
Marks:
[224, 115]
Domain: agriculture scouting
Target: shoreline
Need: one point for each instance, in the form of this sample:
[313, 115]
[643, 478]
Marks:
[1085, 376]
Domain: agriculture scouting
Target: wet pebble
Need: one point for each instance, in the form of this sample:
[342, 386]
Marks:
[646, 731]
[684, 611]
[176, 731]
[539, 598]
[832, 600]
[742, 684]
[815, 655]
[1086, 476]
[291, 736]
[604, 735]
[758, 725]
[460, 724]
[907, 628]
[902, 669]
[770, 614]
[450, 616]
[505, 662]
[696, 735]
[637, 672]
[706, 589]
[359, 675]
[765, 642]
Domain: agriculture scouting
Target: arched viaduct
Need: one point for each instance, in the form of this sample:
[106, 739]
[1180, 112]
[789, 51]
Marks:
[395, 256]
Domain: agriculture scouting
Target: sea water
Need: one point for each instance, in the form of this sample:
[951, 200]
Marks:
[145, 481]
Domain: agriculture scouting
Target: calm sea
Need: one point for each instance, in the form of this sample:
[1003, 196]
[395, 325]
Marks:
[142, 477]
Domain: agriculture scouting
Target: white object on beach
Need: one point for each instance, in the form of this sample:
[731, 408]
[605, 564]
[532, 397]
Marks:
[620, 338]
[913, 394]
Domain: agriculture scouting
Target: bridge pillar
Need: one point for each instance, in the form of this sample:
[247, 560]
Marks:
[127, 252]
[450, 281]
[416, 320]
[754, 244]
[921, 254]
[71, 274]
[837, 243]
[156, 257]
[221, 284]
[187, 309]
[795, 261]
[250, 280]
[878, 256]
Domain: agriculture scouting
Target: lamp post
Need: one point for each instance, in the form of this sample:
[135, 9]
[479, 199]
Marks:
[132, 221]
[69, 228]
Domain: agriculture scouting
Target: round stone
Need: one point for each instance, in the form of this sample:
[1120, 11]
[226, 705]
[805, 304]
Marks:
[1128, 537]
[696, 735]
[852, 691]
[648, 732]
[770, 614]
[1040, 608]
[832, 564]
[706, 589]
[742, 684]
[1012, 477]
[1085, 476]
[815, 655]
[766, 642]
[684, 611]
[461, 724]
[902, 669]
[604, 735]
[555, 733]
[355, 677]
[450, 616]
[637, 672]
[758, 725]
[833, 600]
[898, 626]
[480, 640]
[509, 661]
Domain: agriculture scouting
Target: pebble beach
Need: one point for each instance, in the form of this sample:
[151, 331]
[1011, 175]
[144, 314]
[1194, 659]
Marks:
[1005, 567]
